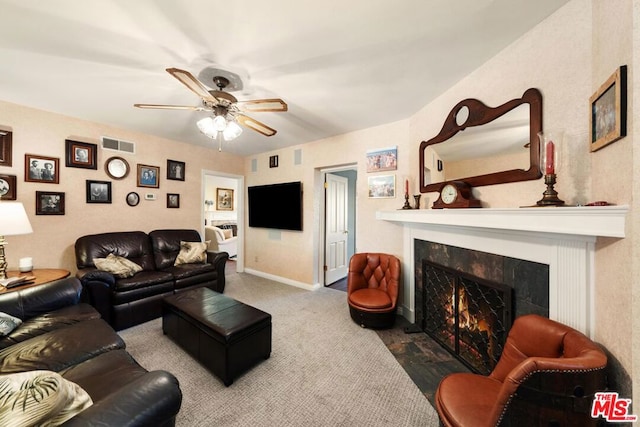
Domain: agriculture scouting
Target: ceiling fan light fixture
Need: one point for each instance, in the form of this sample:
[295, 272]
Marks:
[219, 123]
[232, 131]
[207, 127]
[226, 119]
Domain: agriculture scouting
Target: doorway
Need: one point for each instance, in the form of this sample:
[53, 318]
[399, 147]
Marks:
[213, 181]
[339, 223]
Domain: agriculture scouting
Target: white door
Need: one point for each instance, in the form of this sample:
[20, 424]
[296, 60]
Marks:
[336, 254]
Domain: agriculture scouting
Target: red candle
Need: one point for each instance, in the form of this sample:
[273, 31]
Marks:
[406, 186]
[550, 167]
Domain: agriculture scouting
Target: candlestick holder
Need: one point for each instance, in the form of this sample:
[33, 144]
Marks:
[550, 196]
[406, 202]
[549, 162]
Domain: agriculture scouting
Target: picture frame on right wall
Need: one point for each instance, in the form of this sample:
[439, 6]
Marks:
[608, 118]
[381, 186]
[382, 159]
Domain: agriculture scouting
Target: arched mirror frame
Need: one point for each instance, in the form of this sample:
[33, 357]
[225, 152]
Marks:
[480, 114]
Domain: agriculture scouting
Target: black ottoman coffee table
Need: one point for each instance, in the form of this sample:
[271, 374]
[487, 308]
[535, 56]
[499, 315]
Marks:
[227, 336]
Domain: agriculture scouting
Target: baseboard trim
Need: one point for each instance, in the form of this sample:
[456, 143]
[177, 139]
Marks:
[282, 279]
[407, 312]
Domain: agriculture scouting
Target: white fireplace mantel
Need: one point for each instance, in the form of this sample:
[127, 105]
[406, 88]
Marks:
[563, 238]
[604, 221]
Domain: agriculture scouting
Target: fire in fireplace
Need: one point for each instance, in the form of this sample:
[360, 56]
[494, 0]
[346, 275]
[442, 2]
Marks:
[467, 315]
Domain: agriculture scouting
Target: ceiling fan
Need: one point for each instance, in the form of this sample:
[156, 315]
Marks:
[227, 110]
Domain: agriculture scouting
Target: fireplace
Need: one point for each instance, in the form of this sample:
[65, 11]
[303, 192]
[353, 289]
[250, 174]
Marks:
[467, 315]
[466, 299]
[561, 238]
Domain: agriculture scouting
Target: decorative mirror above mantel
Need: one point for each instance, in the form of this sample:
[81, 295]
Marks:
[481, 145]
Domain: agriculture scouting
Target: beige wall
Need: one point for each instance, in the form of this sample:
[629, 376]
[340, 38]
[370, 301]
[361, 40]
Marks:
[291, 254]
[613, 45]
[43, 133]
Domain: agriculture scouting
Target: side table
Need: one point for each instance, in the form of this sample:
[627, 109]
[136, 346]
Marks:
[42, 276]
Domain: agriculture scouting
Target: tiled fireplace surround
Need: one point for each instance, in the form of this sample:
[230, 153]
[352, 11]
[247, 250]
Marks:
[562, 238]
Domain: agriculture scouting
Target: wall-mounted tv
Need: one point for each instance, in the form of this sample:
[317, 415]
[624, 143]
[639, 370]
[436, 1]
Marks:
[276, 206]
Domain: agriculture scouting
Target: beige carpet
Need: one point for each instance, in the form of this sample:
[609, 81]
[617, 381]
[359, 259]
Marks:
[324, 370]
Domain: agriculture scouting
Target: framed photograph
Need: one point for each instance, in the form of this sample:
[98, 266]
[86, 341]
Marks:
[224, 199]
[49, 203]
[98, 191]
[608, 117]
[5, 147]
[382, 186]
[175, 170]
[80, 154]
[173, 200]
[384, 159]
[148, 176]
[8, 187]
[273, 161]
[41, 169]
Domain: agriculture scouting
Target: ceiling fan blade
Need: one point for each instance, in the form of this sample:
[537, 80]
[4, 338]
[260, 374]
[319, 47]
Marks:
[187, 79]
[169, 107]
[255, 125]
[262, 105]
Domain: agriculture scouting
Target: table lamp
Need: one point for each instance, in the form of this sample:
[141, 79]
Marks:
[13, 221]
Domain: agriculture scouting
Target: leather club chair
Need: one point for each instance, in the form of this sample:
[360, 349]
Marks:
[372, 289]
[547, 375]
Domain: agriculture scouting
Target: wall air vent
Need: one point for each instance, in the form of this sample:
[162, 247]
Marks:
[118, 145]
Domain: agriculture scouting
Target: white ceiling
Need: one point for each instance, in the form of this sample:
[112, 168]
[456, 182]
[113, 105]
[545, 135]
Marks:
[341, 65]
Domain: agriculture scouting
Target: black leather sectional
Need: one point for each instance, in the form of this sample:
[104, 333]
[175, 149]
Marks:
[60, 333]
[124, 302]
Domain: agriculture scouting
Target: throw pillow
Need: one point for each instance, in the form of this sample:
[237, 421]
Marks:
[228, 233]
[192, 253]
[117, 265]
[40, 398]
[8, 323]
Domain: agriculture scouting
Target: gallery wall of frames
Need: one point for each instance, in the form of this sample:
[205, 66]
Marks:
[45, 170]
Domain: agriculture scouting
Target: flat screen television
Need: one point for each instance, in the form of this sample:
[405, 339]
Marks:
[276, 206]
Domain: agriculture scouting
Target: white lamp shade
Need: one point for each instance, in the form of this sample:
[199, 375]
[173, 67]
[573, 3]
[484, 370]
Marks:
[232, 131]
[219, 123]
[13, 219]
[207, 127]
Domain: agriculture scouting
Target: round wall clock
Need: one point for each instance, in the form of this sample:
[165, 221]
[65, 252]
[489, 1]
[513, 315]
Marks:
[116, 167]
[133, 199]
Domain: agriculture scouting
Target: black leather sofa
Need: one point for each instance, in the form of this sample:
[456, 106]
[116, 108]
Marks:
[60, 333]
[124, 302]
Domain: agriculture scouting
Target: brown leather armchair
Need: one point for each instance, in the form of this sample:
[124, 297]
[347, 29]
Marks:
[547, 374]
[372, 289]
